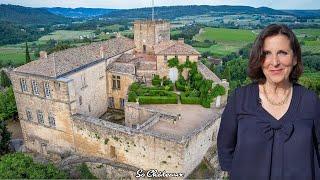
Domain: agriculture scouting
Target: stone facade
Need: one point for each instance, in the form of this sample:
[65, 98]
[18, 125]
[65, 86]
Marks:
[149, 33]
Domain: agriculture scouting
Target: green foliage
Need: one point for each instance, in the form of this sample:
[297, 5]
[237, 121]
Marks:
[28, 59]
[226, 74]
[8, 107]
[5, 137]
[132, 96]
[4, 79]
[189, 100]
[174, 62]
[311, 81]
[85, 172]
[21, 166]
[218, 90]
[134, 86]
[156, 81]
[181, 83]
[158, 99]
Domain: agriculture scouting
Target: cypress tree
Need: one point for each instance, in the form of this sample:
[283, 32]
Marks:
[4, 79]
[28, 59]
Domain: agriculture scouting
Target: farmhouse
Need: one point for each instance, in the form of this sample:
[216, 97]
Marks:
[62, 99]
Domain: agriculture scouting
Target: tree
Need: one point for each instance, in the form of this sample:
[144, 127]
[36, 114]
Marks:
[226, 74]
[8, 108]
[5, 137]
[4, 79]
[28, 59]
[21, 166]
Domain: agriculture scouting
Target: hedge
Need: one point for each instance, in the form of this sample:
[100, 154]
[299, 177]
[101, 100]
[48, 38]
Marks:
[158, 99]
[132, 96]
[180, 86]
[189, 100]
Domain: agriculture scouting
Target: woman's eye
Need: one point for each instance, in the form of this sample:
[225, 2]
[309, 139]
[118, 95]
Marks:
[283, 53]
[266, 53]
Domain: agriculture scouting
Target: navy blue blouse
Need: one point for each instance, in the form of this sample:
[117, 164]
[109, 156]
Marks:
[253, 145]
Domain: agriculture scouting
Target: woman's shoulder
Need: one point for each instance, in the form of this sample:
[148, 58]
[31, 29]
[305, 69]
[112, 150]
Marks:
[306, 94]
[245, 93]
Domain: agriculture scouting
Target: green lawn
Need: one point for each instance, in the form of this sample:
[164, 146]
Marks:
[15, 55]
[309, 32]
[228, 40]
[65, 35]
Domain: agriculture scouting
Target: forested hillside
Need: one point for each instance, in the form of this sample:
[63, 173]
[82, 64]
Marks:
[179, 11]
[29, 16]
[79, 12]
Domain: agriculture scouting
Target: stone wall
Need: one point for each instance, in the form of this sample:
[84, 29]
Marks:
[149, 33]
[198, 146]
[162, 65]
[90, 89]
[94, 137]
[35, 133]
[125, 81]
[135, 115]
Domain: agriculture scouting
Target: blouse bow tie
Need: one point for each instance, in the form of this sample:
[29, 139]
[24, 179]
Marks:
[268, 128]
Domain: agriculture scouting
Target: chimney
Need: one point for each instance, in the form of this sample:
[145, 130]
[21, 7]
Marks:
[43, 54]
[118, 34]
[102, 52]
[181, 40]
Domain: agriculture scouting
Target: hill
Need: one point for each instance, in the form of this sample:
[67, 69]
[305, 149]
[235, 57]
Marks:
[304, 13]
[79, 12]
[171, 12]
[29, 16]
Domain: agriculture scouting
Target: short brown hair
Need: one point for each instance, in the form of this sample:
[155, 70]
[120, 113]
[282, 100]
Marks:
[257, 56]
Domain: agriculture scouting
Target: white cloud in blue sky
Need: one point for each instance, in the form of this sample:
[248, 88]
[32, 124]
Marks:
[124, 4]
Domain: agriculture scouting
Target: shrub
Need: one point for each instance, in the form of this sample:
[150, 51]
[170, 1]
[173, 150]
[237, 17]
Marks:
[218, 90]
[189, 100]
[132, 96]
[174, 62]
[180, 86]
[85, 172]
[158, 99]
[134, 86]
[156, 81]
[21, 166]
[194, 93]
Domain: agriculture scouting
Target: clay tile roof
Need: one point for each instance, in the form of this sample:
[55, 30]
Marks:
[60, 63]
[174, 47]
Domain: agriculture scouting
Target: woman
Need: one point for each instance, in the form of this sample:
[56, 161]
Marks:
[270, 129]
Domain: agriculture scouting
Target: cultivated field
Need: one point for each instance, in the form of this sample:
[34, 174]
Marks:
[15, 55]
[66, 35]
[228, 40]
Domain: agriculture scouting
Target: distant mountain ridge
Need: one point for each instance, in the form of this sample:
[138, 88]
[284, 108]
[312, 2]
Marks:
[79, 12]
[304, 13]
[27, 16]
[171, 12]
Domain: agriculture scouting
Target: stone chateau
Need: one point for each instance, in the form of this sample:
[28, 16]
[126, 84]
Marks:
[62, 97]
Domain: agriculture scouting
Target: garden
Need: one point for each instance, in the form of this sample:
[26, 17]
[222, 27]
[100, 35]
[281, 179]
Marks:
[193, 90]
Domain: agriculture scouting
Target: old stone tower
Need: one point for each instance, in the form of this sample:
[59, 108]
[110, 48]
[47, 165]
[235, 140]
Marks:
[149, 33]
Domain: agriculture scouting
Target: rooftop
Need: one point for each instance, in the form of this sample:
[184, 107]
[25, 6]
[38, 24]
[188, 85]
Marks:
[193, 117]
[174, 47]
[63, 62]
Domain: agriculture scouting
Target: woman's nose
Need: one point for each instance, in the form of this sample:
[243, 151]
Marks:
[275, 60]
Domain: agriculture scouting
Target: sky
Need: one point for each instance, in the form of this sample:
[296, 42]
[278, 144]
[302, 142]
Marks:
[128, 4]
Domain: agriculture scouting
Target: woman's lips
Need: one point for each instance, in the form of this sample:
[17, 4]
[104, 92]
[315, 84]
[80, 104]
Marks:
[276, 71]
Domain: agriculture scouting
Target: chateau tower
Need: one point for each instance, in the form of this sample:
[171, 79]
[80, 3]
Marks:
[149, 33]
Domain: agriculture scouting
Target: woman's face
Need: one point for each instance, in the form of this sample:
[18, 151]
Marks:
[279, 59]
